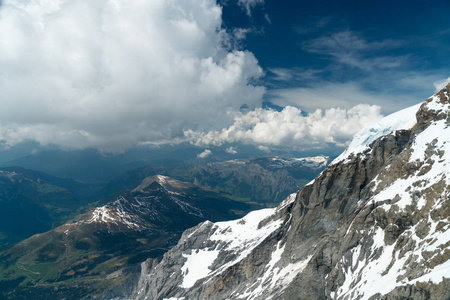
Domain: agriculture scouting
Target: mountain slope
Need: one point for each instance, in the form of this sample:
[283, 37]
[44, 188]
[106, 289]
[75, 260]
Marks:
[104, 246]
[32, 202]
[373, 225]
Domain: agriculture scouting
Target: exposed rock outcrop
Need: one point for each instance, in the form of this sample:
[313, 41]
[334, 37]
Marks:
[373, 225]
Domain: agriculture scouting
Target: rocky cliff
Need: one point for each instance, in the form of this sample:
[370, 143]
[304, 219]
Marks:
[373, 225]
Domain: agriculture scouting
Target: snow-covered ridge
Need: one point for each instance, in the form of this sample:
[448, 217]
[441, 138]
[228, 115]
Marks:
[144, 206]
[320, 159]
[280, 162]
[403, 119]
[424, 191]
[309, 162]
[120, 212]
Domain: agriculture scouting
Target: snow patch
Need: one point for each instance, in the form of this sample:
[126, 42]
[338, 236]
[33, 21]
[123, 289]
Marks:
[101, 214]
[197, 266]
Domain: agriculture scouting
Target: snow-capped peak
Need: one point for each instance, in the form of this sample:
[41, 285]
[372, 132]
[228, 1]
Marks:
[403, 119]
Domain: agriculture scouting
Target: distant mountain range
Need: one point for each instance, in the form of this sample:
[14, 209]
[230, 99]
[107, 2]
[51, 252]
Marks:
[92, 166]
[264, 181]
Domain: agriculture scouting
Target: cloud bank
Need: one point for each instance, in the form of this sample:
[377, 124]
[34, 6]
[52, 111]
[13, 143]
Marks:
[268, 128]
[111, 74]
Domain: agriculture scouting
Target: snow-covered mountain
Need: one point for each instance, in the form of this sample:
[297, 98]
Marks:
[314, 162]
[375, 224]
[152, 203]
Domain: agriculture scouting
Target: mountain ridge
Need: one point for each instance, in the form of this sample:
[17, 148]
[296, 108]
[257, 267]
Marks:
[373, 225]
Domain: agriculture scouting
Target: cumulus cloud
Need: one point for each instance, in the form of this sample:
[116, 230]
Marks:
[205, 154]
[110, 74]
[267, 127]
[231, 150]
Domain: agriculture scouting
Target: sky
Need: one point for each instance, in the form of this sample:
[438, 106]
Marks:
[114, 74]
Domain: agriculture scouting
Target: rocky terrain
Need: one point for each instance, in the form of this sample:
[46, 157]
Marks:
[373, 225]
[105, 246]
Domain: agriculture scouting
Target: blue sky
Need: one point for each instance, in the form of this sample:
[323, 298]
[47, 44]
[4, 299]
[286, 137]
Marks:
[384, 48]
[298, 75]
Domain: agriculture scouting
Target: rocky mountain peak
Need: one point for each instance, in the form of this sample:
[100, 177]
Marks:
[435, 108]
[168, 183]
[373, 225]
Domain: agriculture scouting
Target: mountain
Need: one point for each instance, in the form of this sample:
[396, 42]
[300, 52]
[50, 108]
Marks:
[373, 225]
[264, 181]
[104, 246]
[96, 167]
[32, 202]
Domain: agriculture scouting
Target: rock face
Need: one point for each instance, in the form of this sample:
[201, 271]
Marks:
[375, 224]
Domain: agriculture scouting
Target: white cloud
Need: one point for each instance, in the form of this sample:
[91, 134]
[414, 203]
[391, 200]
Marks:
[266, 127]
[440, 84]
[110, 74]
[231, 150]
[248, 5]
[264, 148]
[205, 154]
